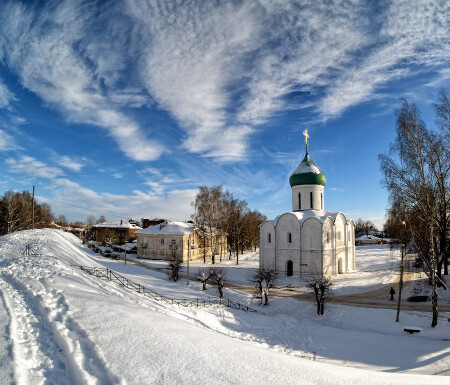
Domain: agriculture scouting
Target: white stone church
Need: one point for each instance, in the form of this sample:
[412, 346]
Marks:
[308, 240]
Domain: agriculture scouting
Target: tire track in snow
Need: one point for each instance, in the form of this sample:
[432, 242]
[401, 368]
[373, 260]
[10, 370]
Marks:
[49, 346]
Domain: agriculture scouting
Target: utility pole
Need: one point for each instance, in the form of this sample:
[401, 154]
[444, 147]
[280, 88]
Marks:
[189, 257]
[33, 208]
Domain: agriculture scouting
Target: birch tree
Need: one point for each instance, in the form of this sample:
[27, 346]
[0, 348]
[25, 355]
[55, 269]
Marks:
[416, 173]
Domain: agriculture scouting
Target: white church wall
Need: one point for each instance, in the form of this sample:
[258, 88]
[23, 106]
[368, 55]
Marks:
[341, 235]
[328, 247]
[311, 236]
[288, 247]
[267, 249]
[305, 191]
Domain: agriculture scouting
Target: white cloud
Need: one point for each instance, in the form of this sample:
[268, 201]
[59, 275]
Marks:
[69, 163]
[78, 199]
[219, 69]
[7, 142]
[5, 95]
[28, 165]
[40, 47]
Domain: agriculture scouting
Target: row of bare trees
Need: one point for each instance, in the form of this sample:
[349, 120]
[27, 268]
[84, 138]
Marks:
[16, 212]
[364, 227]
[416, 174]
[217, 213]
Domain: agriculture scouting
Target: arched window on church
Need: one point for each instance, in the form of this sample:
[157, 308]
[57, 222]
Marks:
[328, 237]
[269, 238]
[289, 238]
[311, 199]
[299, 201]
[339, 236]
[321, 201]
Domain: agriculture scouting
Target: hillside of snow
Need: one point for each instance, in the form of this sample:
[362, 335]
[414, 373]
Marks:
[59, 325]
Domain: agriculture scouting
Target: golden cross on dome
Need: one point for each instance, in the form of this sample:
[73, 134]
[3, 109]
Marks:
[305, 133]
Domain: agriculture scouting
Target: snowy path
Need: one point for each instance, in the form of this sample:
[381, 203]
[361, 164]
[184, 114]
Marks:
[46, 343]
[6, 355]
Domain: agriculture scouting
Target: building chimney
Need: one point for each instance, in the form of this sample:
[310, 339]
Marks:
[161, 225]
[121, 222]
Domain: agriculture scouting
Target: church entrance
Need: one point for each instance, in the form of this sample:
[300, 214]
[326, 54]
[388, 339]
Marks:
[289, 268]
[340, 271]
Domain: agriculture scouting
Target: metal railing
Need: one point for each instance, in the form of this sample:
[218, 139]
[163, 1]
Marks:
[110, 275]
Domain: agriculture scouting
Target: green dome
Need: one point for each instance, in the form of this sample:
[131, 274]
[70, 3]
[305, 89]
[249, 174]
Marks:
[307, 172]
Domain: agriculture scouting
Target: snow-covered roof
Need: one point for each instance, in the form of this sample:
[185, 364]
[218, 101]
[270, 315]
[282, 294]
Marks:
[169, 228]
[307, 172]
[304, 168]
[117, 225]
[303, 215]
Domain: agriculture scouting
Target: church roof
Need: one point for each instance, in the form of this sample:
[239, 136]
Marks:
[303, 215]
[307, 172]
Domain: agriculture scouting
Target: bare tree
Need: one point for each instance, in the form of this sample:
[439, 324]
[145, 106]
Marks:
[264, 279]
[203, 276]
[209, 214]
[416, 173]
[16, 212]
[175, 267]
[218, 275]
[62, 220]
[364, 227]
[102, 219]
[321, 287]
[91, 220]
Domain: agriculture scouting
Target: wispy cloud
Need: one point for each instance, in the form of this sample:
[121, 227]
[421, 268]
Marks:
[68, 196]
[7, 142]
[49, 50]
[5, 95]
[27, 165]
[70, 163]
[219, 69]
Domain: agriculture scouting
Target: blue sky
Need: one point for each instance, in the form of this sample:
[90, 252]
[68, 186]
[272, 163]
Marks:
[125, 108]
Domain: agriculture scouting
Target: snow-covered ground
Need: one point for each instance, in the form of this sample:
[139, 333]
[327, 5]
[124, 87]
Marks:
[376, 265]
[59, 325]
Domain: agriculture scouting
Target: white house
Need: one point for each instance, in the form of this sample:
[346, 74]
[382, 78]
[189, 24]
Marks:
[308, 240]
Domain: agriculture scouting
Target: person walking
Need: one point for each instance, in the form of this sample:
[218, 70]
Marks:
[392, 292]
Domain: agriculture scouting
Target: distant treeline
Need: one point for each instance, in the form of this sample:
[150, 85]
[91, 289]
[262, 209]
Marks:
[16, 213]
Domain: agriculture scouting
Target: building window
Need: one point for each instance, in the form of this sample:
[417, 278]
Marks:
[173, 242]
[269, 238]
[339, 236]
[161, 253]
[328, 237]
[299, 201]
[289, 238]
[321, 200]
[174, 254]
[162, 241]
[311, 199]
